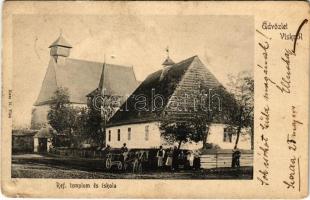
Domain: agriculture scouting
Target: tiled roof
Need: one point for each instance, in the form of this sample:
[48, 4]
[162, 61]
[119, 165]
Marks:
[24, 132]
[155, 83]
[162, 83]
[46, 132]
[82, 77]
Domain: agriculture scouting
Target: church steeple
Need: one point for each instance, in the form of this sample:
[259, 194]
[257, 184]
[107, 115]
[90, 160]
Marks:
[168, 61]
[60, 48]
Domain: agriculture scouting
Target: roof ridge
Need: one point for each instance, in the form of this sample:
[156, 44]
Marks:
[178, 63]
[98, 62]
[186, 60]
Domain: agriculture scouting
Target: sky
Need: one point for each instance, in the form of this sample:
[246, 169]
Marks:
[225, 44]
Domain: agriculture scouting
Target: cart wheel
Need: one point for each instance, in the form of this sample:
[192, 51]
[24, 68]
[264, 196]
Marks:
[125, 166]
[108, 163]
[120, 166]
[135, 166]
[140, 168]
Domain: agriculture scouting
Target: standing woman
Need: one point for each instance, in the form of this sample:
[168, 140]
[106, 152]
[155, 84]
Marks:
[169, 159]
[190, 159]
[160, 157]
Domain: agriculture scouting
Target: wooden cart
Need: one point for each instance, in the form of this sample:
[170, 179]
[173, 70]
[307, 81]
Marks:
[132, 160]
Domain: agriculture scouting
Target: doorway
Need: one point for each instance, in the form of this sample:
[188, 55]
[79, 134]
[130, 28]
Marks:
[42, 145]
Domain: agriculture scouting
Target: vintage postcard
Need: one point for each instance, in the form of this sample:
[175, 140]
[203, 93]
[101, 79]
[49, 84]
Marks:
[155, 99]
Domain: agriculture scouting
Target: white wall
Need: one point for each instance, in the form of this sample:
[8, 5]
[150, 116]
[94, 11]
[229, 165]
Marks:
[49, 144]
[216, 135]
[35, 144]
[137, 139]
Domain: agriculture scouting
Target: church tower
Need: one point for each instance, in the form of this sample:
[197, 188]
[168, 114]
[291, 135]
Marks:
[168, 61]
[60, 48]
[167, 65]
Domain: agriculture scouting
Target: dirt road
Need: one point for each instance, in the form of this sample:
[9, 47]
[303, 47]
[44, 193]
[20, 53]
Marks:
[47, 167]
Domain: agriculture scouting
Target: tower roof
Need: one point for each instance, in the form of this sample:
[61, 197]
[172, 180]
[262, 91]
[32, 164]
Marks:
[168, 62]
[60, 42]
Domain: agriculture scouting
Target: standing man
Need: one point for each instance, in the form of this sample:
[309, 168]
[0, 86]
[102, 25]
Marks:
[124, 148]
[175, 161]
[236, 159]
[107, 149]
[124, 151]
[196, 162]
[160, 157]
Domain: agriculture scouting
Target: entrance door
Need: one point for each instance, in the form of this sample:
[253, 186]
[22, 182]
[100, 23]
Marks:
[42, 145]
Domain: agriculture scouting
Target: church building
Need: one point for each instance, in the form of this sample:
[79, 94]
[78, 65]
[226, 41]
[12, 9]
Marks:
[80, 77]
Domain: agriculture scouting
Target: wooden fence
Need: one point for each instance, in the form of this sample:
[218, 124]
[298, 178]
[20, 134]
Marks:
[208, 160]
[224, 159]
[78, 153]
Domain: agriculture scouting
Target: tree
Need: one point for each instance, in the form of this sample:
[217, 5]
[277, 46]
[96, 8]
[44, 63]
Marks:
[242, 88]
[79, 127]
[208, 103]
[80, 124]
[94, 124]
[61, 115]
[182, 131]
[100, 109]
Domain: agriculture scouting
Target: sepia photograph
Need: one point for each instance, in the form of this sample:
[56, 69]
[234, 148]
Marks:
[139, 97]
[150, 99]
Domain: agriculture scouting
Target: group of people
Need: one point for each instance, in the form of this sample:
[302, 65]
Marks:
[173, 159]
[170, 159]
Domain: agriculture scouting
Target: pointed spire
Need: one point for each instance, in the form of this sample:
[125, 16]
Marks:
[60, 42]
[168, 62]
